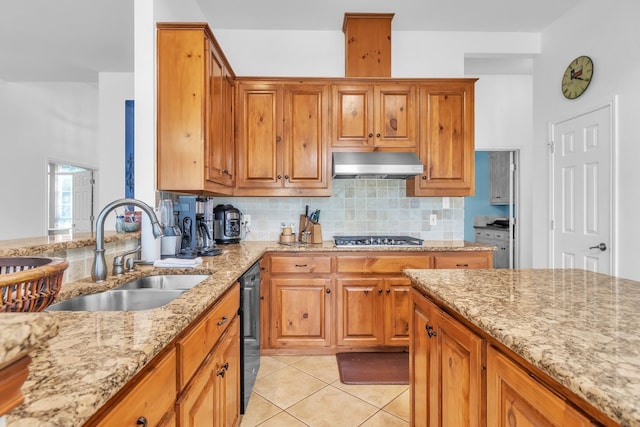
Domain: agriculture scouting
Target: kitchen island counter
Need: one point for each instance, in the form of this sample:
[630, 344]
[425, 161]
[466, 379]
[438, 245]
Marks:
[578, 327]
[96, 353]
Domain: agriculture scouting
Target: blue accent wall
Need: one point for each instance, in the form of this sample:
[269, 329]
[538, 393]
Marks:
[478, 205]
[129, 150]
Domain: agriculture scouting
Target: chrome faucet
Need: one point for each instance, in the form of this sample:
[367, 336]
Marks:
[99, 269]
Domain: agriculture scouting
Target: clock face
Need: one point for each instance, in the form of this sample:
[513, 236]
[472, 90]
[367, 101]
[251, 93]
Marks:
[577, 77]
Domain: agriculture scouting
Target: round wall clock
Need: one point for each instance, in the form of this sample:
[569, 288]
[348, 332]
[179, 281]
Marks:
[577, 77]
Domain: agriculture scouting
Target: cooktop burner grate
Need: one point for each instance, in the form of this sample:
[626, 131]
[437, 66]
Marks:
[377, 241]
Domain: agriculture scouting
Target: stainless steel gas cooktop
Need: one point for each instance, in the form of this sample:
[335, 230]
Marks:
[355, 241]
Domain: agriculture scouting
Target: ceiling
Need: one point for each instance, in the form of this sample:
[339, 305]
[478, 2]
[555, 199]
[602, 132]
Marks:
[73, 40]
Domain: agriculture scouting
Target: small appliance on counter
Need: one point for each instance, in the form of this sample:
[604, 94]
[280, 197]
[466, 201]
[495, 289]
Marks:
[171, 241]
[226, 224]
[197, 227]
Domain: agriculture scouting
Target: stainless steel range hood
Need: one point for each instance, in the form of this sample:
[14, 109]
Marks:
[376, 165]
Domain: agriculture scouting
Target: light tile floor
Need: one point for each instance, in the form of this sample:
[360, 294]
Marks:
[299, 391]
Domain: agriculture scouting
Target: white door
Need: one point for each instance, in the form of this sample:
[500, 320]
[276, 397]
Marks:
[82, 208]
[581, 192]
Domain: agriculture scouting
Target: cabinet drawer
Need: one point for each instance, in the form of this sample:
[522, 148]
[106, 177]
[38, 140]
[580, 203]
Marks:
[461, 261]
[152, 396]
[198, 342]
[300, 264]
[381, 264]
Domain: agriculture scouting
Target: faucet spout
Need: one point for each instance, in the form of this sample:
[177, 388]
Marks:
[99, 269]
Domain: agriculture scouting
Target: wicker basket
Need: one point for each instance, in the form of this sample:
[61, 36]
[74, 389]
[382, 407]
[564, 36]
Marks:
[30, 284]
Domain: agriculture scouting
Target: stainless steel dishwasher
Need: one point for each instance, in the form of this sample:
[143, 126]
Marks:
[250, 327]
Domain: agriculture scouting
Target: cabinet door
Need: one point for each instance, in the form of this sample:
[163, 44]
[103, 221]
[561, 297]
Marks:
[397, 311]
[458, 366]
[499, 171]
[220, 141]
[196, 405]
[352, 116]
[396, 115]
[227, 378]
[446, 141]
[152, 397]
[514, 398]
[445, 369]
[300, 312]
[259, 136]
[181, 101]
[306, 119]
[420, 370]
[360, 312]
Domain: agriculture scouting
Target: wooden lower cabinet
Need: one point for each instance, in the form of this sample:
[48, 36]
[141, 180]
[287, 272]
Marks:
[195, 383]
[445, 367]
[373, 312]
[212, 398]
[301, 311]
[514, 398]
[371, 305]
[150, 399]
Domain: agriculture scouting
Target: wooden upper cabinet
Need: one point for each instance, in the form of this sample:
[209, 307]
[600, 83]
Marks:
[282, 134]
[193, 107]
[446, 139]
[220, 149]
[259, 136]
[375, 116]
[367, 44]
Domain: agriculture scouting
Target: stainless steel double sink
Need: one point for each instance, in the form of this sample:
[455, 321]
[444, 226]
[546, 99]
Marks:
[140, 294]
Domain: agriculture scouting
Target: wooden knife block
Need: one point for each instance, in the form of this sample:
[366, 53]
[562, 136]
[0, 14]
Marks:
[314, 228]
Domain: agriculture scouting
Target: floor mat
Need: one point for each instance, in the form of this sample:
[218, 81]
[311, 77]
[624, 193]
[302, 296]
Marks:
[373, 368]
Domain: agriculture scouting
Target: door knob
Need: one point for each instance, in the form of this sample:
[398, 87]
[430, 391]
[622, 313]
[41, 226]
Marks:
[601, 246]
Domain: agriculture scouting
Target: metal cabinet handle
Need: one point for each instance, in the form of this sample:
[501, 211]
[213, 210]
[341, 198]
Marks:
[377, 135]
[224, 320]
[462, 265]
[379, 291]
[286, 177]
[601, 246]
[279, 176]
[430, 331]
[388, 291]
[328, 291]
[142, 421]
[370, 135]
[301, 265]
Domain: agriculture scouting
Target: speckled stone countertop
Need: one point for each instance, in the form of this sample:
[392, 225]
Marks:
[22, 332]
[95, 353]
[580, 328]
[37, 245]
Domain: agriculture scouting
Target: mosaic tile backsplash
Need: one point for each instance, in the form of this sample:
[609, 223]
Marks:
[357, 206]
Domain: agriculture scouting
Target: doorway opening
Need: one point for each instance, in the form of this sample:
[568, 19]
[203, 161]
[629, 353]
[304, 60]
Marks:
[490, 215]
[71, 198]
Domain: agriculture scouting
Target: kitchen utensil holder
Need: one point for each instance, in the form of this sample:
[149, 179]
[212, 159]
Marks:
[30, 284]
[314, 228]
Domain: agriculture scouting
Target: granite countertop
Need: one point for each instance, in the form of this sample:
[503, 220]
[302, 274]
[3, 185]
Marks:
[29, 246]
[580, 328]
[94, 354]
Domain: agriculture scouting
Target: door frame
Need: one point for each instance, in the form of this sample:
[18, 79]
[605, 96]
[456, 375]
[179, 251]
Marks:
[612, 104]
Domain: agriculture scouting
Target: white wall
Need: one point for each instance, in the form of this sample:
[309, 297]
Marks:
[41, 122]
[609, 34]
[504, 120]
[114, 90]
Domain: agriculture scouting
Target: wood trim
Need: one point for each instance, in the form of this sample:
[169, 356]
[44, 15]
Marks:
[11, 379]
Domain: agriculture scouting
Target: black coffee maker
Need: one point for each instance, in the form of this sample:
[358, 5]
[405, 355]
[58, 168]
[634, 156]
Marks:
[226, 224]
